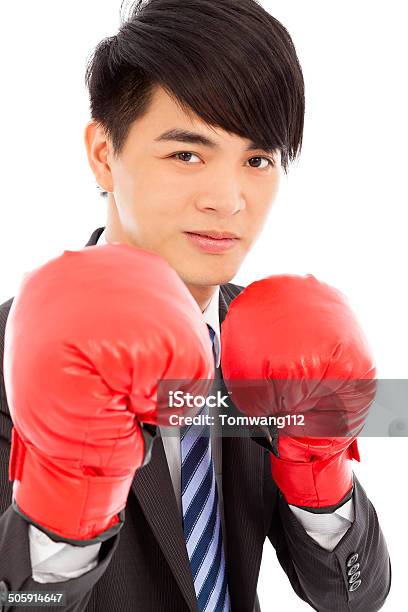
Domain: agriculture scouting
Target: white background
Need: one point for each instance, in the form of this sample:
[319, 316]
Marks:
[339, 215]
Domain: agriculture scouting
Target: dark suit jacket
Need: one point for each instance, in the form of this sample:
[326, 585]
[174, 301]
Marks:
[145, 567]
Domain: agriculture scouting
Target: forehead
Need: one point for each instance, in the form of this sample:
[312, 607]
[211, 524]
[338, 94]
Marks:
[166, 121]
[165, 106]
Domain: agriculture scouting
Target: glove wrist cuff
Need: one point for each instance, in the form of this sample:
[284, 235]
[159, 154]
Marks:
[319, 485]
[62, 501]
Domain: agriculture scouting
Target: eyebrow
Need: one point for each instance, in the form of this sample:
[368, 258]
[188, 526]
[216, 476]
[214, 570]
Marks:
[190, 137]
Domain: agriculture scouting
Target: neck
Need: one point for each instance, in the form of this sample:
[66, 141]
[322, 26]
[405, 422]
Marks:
[114, 230]
[202, 295]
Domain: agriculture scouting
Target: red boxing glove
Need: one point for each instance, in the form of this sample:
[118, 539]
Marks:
[88, 337]
[291, 345]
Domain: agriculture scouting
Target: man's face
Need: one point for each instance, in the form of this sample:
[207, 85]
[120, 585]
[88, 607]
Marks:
[162, 192]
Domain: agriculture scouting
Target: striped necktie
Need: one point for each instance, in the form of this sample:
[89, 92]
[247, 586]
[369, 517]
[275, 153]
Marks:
[201, 516]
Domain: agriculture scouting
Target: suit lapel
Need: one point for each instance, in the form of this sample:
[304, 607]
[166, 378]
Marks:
[95, 237]
[154, 490]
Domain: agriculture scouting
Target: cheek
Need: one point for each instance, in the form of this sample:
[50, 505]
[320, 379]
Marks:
[262, 200]
[259, 216]
[157, 218]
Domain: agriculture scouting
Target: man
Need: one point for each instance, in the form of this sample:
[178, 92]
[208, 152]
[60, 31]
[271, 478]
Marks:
[195, 108]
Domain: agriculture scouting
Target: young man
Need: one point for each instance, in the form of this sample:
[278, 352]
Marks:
[196, 106]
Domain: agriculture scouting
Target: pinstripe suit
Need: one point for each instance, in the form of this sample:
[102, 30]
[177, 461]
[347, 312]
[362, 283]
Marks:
[146, 568]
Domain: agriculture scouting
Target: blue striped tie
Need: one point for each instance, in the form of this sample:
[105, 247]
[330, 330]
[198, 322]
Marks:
[201, 516]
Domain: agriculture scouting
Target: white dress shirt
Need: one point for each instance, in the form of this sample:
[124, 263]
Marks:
[58, 561]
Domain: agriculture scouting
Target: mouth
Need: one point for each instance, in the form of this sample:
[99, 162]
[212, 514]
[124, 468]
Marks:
[213, 241]
[215, 234]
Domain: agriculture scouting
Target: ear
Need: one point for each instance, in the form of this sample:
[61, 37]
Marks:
[97, 149]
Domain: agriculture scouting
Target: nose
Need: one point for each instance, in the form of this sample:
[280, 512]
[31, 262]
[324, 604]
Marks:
[222, 199]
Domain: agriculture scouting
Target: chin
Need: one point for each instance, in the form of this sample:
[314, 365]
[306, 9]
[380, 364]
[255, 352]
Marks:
[209, 272]
[207, 279]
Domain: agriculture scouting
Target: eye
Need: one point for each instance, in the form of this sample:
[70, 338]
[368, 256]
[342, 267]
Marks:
[176, 155]
[179, 156]
[269, 160]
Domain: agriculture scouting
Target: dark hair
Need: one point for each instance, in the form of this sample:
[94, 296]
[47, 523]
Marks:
[228, 61]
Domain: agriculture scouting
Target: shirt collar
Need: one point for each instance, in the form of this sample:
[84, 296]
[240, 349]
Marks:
[210, 314]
